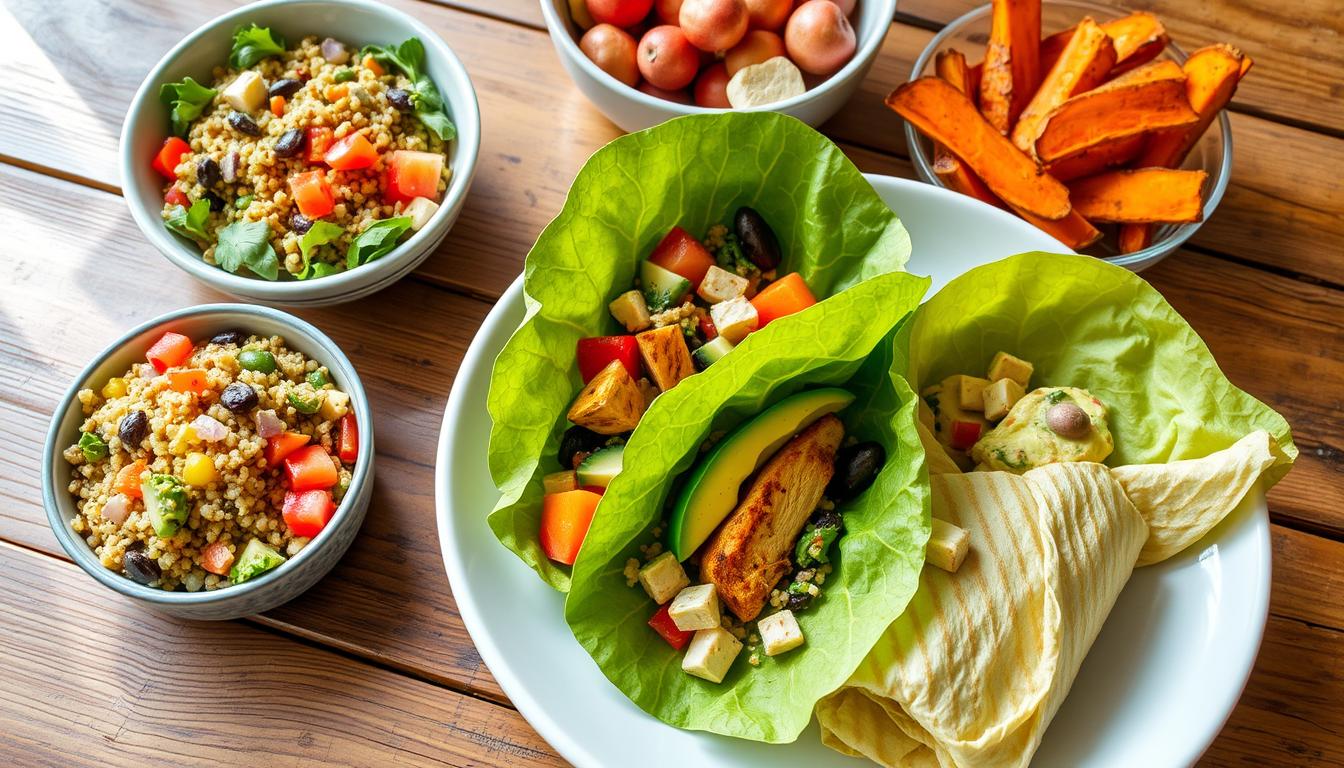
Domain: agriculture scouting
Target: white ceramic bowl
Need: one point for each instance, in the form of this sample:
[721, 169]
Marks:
[634, 110]
[356, 23]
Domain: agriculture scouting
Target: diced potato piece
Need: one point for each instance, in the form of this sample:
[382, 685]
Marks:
[335, 405]
[734, 318]
[611, 403]
[711, 654]
[247, 92]
[779, 632]
[559, 482]
[666, 356]
[1005, 366]
[420, 210]
[1000, 398]
[663, 577]
[969, 391]
[695, 608]
[631, 310]
[947, 547]
[721, 285]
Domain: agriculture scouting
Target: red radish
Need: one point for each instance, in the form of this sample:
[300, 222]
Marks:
[768, 14]
[714, 25]
[680, 97]
[613, 51]
[819, 38]
[668, 11]
[667, 59]
[711, 89]
[621, 13]
[757, 46]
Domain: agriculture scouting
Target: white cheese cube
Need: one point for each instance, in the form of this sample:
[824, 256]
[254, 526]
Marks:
[710, 654]
[721, 285]
[734, 318]
[631, 310]
[695, 608]
[947, 545]
[247, 92]
[420, 209]
[663, 577]
[779, 633]
[335, 404]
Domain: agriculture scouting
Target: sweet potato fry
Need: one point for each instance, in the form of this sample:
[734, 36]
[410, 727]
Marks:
[946, 115]
[1148, 195]
[950, 65]
[1012, 67]
[1097, 159]
[1138, 37]
[1147, 99]
[1082, 66]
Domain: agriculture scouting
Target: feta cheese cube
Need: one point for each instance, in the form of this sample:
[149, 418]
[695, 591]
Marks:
[663, 577]
[734, 318]
[721, 285]
[420, 210]
[335, 404]
[948, 545]
[1000, 397]
[779, 633]
[695, 608]
[710, 654]
[631, 310]
[969, 391]
[1005, 366]
[247, 92]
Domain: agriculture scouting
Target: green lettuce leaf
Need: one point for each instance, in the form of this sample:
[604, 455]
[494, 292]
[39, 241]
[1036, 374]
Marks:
[376, 241]
[877, 562]
[691, 172]
[188, 100]
[1082, 322]
[252, 44]
[319, 234]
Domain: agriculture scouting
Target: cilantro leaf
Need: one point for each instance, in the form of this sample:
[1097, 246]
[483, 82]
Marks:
[190, 223]
[188, 100]
[376, 241]
[247, 244]
[409, 58]
[320, 234]
[252, 44]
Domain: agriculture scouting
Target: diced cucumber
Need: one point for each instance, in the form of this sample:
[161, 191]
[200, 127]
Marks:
[710, 353]
[662, 288]
[601, 466]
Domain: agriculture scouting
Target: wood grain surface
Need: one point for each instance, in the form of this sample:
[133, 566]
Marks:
[373, 666]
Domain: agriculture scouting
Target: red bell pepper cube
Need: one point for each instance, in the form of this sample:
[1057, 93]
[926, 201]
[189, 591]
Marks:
[662, 624]
[680, 253]
[351, 153]
[707, 328]
[172, 349]
[169, 155]
[175, 196]
[283, 444]
[597, 352]
[409, 174]
[965, 434]
[312, 194]
[348, 447]
[307, 512]
[310, 468]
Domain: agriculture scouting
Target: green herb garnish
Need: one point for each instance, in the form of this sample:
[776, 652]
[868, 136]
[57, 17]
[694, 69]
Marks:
[189, 222]
[243, 201]
[320, 234]
[93, 446]
[188, 100]
[1054, 398]
[344, 75]
[376, 241]
[252, 44]
[409, 59]
[247, 244]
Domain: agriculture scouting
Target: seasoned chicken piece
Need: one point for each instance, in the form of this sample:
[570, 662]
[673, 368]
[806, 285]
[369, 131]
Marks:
[666, 356]
[610, 404]
[750, 551]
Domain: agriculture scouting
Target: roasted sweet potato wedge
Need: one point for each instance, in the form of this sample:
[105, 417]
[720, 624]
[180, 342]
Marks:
[1138, 37]
[1097, 159]
[1081, 66]
[1148, 195]
[1012, 67]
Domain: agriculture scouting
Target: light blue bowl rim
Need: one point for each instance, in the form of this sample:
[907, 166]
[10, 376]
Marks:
[80, 551]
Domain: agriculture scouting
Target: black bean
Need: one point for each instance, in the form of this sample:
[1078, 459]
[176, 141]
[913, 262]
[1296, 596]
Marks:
[827, 519]
[290, 143]
[400, 98]
[855, 468]
[132, 430]
[139, 567]
[216, 202]
[208, 173]
[578, 440]
[239, 397]
[799, 601]
[243, 124]
[234, 337]
[229, 168]
[758, 239]
[285, 86]
[299, 224]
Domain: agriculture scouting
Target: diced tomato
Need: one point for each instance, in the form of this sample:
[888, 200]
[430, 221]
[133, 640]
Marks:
[128, 478]
[312, 194]
[319, 141]
[190, 380]
[783, 297]
[410, 174]
[170, 350]
[965, 434]
[307, 512]
[565, 518]
[597, 352]
[216, 558]
[348, 447]
[707, 328]
[169, 155]
[175, 196]
[310, 468]
[283, 444]
[351, 153]
[679, 252]
[663, 624]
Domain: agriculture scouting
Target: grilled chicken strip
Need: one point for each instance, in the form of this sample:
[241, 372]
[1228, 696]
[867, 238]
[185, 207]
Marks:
[750, 552]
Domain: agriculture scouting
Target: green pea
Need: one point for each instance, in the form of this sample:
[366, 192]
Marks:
[318, 379]
[93, 446]
[344, 75]
[257, 360]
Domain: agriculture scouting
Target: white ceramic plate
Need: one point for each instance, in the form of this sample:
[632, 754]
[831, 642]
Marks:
[1157, 686]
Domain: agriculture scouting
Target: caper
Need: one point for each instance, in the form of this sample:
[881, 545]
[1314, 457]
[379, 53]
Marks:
[1068, 420]
[856, 466]
[758, 239]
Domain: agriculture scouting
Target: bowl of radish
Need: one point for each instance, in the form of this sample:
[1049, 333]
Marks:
[642, 62]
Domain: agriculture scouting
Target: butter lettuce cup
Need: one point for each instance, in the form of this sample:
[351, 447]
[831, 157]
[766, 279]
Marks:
[676, 246]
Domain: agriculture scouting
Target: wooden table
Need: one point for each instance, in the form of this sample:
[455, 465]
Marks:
[373, 666]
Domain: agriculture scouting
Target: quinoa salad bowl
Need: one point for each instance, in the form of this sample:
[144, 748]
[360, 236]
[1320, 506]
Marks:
[212, 463]
[302, 152]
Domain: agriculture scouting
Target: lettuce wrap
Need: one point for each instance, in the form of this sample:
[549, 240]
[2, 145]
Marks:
[847, 342]
[691, 172]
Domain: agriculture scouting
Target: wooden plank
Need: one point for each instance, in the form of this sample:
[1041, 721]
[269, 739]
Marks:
[92, 679]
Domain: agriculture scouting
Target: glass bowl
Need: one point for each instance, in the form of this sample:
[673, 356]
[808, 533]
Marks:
[1212, 153]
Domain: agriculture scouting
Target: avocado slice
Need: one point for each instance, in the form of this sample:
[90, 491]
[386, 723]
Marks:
[711, 493]
[166, 503]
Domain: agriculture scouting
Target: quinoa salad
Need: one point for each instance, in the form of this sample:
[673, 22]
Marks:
[210, 463]
[307, 161]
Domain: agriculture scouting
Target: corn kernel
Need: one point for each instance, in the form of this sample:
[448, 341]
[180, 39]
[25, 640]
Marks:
[185, 437]
[199, 470]
[115, 387]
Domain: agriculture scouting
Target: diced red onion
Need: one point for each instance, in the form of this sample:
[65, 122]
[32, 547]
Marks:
[335, 51]
[209, 429]
[268, 424]
[117, 509]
